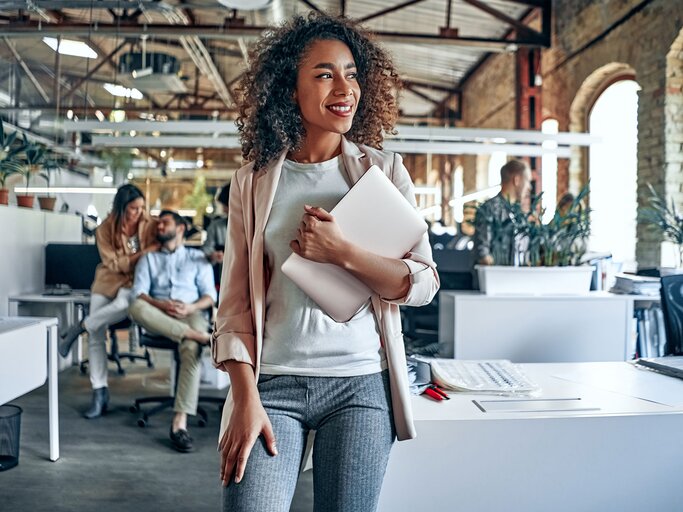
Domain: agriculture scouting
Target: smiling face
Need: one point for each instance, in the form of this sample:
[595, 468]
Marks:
[327, 89]
[134, 210]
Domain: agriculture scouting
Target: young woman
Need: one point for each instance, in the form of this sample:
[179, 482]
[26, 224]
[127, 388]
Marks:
[317, 98]
[124, 236]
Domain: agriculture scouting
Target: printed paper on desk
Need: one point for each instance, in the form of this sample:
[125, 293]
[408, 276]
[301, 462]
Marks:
[373, 215]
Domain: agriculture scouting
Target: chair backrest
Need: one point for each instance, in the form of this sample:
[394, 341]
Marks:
[672, 307]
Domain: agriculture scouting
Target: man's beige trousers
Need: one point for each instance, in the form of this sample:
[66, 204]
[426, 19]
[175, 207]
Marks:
[156, 321]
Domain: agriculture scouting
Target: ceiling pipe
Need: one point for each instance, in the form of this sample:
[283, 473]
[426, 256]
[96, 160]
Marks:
[229, 32]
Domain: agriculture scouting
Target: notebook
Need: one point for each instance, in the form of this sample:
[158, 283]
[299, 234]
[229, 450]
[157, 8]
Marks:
[668, 365]
[374, 215]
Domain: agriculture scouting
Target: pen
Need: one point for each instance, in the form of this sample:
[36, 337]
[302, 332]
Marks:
[433, 394]
[440, 391]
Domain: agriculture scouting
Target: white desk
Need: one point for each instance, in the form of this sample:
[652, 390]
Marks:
[625, 457]
[28, 356]
[597, 326]
[69, 309]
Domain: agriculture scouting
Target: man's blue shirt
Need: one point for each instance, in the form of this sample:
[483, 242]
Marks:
[182, 275]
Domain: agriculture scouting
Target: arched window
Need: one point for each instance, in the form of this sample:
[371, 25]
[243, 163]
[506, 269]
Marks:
[613, 167]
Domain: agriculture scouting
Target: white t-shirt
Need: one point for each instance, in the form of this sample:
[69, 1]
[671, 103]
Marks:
[299, 338]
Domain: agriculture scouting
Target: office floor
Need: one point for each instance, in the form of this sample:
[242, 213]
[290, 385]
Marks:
[111, 464]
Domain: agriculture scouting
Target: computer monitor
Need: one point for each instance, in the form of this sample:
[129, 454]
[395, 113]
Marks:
[70, 265]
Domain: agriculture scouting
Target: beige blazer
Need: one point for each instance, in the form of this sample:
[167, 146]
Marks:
[238, 332]
[115, 271]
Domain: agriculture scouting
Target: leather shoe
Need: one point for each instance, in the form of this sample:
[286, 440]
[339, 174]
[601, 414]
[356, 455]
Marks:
[181, 440]
[98, 406]
[67, 339]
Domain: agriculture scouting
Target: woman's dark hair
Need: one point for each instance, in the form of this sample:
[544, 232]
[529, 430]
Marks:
[224, 194]
[269, 118]
[124, 195]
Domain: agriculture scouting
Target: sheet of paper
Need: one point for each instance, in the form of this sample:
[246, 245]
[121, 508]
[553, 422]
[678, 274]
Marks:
[631, 381]
[536, 405]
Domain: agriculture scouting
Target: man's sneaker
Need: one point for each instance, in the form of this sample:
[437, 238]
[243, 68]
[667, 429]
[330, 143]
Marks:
[181, 440]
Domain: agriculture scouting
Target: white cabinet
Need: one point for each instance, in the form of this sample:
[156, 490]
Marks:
[532, 329]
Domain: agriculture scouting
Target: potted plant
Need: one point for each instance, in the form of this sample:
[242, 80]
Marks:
[50, 165]
[34, 155]
[9, 164]
[531, 257]
[666, 219]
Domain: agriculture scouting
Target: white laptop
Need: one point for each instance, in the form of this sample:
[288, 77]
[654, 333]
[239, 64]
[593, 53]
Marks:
[373, 215]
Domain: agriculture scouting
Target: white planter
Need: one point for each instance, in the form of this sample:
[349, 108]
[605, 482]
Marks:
[499, 280]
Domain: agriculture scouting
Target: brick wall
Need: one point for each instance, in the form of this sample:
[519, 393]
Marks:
[593, 42]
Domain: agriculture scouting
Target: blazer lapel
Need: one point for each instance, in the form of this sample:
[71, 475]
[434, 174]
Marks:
[355, 162]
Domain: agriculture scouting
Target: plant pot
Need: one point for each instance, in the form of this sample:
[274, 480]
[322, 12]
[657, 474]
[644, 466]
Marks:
[47, 203]
[4, 196]
[499, 280]
[25, 201]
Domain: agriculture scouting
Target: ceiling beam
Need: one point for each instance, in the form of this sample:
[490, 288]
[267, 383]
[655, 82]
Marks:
[207, 111]
[312, 6]
[521, 29]
[427, 85]
[26, 69]
[35, 29]
[388, 10]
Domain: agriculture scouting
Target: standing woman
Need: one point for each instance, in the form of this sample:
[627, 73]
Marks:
[125, 235]
[317, 99]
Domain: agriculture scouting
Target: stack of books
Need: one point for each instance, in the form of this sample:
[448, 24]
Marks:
[638, 285]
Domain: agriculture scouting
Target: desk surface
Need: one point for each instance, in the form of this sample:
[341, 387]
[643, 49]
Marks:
[624, 457]
[613, 388]
[594, 295]
[76, 297]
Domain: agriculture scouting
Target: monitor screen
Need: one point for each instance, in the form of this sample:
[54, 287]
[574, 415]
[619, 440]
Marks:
[72, 265]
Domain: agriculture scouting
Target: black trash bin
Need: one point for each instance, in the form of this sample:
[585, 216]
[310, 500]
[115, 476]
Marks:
[10, 431]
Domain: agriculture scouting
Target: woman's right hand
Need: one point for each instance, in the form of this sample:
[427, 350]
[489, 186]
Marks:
[247, 422]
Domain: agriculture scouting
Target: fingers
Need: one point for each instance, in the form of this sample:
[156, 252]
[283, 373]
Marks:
[242, 458]
[295, 247]
[269, 437]
[318, 212]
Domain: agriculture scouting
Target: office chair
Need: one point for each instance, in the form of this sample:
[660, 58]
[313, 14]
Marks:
[166, 401]
[672, 307]
[114, 354]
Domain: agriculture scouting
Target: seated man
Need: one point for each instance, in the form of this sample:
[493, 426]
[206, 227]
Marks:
[172, 289]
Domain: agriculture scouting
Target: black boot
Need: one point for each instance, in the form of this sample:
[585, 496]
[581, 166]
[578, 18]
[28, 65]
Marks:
[98, 407]
[67, 339]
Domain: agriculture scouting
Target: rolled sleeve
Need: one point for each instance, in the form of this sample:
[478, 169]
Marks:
[424, 281]
[143, 279]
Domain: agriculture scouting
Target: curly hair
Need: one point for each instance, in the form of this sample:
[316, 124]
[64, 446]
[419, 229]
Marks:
[269, 118]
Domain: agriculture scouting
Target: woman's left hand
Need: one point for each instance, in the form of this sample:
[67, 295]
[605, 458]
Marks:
[319, 237]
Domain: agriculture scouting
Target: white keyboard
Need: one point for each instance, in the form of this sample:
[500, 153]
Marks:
[493, 376]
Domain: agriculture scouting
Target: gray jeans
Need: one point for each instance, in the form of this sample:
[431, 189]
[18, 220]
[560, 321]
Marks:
[354, 432]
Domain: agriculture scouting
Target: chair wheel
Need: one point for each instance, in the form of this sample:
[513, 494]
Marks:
[83, 369]
[201, 422]
[121, 371]
[134, 409]
[142, 422]
[150, 364]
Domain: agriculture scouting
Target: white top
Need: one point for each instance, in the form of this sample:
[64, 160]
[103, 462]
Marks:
[299, 338]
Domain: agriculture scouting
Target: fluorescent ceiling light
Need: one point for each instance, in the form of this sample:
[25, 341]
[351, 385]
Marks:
[123, 92]
[69, 47]
[245, 5]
